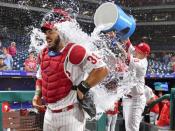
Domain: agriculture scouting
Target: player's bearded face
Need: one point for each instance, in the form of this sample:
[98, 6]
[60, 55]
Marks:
[53, 39]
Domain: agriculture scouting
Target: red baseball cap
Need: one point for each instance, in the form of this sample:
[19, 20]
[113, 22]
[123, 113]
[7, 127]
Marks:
[143, 47]
[55, 16]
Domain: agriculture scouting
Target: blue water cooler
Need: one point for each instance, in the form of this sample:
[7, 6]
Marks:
[115, 19]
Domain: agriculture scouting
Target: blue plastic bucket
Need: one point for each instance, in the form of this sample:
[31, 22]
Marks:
[112, 17]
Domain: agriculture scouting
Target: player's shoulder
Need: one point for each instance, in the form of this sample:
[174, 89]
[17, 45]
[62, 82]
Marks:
[77, 54]
[40, 54]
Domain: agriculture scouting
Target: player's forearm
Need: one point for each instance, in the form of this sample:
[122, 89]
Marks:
[38, 86]
[96, 76]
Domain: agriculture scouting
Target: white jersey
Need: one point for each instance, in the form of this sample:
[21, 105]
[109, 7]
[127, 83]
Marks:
[137, 69]
[78, 73]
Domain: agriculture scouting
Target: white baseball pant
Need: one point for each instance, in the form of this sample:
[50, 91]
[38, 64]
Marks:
[72, 120]
[111, 122]
[132, 111]
[153, 117]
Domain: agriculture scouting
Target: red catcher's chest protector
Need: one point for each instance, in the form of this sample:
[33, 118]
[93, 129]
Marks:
[55, 83]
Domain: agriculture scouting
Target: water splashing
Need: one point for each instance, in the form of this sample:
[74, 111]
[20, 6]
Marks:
[38, 40]
[70, 31]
